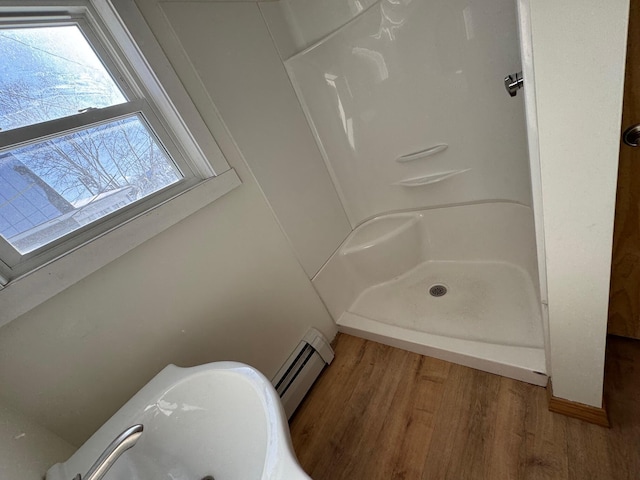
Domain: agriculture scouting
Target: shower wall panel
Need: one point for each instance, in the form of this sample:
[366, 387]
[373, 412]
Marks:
[407, 103]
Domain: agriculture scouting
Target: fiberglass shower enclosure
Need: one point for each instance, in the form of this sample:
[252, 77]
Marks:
[428, 154]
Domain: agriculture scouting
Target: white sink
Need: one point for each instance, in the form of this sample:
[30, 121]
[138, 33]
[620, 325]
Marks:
[222, 419]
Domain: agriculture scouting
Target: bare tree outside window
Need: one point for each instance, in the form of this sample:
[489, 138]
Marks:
[52, 72]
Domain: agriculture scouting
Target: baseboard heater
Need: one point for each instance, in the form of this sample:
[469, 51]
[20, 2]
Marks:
[302, 368]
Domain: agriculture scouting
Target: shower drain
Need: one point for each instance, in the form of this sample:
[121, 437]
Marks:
[438, 290]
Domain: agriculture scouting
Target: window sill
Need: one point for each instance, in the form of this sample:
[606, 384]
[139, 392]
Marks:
[36, 287]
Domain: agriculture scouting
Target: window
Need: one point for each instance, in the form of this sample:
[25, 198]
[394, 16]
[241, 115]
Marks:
[88, 137]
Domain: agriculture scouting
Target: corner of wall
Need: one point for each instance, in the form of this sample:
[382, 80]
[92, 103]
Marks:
[27, 449]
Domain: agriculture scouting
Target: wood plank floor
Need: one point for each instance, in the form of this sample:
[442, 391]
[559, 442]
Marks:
[382, 413]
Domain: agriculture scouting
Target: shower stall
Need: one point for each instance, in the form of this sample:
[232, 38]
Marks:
[428, 153]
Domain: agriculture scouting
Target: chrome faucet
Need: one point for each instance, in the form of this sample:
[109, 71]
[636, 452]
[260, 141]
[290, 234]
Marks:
[121, 444]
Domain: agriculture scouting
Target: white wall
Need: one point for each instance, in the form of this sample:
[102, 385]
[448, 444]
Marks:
[578, 57]
[230, 47]
[309, 20]
[222, 284]
[27, 449]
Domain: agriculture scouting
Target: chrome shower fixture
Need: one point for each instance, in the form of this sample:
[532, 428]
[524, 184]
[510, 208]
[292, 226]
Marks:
[513, 83]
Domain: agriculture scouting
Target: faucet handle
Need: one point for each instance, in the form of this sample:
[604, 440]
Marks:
[513, 83]
[122, 443]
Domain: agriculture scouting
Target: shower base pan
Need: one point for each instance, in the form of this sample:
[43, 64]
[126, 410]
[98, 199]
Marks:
[453, 283]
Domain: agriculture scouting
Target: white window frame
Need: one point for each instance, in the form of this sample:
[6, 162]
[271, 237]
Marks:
[148, 78]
